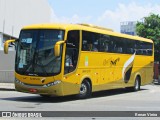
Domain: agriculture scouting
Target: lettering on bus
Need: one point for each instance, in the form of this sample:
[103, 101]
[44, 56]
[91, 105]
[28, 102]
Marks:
[34, 78]
[86, 71]
[106, 61]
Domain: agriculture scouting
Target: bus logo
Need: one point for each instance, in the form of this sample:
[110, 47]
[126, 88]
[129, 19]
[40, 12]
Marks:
[127, 68]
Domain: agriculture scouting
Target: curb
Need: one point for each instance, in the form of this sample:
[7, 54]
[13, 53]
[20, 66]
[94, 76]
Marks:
[7, 86]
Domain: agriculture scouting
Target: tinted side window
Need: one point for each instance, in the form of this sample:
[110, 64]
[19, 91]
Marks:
[105, 43]
[90, 41]
[130, 46]
[144, 48]
[86, 41]
[149, 48]
[139, 49]
[118, 44]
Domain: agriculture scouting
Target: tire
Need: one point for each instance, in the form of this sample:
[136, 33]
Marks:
[137, 84]
[85, 90]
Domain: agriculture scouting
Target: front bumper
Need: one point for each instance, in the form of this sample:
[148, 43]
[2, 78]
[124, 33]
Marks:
[55, 90]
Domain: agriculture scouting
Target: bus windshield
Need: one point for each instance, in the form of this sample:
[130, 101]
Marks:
[35, 52]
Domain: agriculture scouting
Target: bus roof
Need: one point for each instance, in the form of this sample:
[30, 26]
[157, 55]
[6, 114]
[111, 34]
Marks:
[86, 27]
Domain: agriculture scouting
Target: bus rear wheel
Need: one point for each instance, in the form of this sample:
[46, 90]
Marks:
[85, 90]
[137, 84]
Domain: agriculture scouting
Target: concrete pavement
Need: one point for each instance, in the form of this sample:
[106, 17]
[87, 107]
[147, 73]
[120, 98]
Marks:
[7, 86]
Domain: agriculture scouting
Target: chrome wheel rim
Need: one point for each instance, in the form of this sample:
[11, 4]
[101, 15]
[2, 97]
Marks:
[83, 89]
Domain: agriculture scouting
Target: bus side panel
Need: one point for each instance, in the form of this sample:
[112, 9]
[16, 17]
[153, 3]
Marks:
[71, 83]
[106, 69]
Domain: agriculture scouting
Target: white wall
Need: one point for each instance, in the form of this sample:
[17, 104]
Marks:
[1, 47]
[14, 14]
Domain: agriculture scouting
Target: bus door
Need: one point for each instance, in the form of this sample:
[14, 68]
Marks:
[72, 51]
[71, 61]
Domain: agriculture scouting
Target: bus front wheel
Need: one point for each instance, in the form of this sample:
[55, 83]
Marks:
[85, 90]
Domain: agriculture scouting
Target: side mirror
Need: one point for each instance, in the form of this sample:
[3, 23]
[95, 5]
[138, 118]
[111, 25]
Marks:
[57, 48]
[6, 44]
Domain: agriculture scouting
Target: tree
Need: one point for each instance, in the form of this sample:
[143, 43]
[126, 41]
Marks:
[149, 28]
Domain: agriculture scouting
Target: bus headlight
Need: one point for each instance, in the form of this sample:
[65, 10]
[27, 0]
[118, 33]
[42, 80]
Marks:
[52, 83]
[19, 82]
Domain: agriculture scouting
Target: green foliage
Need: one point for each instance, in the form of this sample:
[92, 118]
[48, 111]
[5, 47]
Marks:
[149, 28]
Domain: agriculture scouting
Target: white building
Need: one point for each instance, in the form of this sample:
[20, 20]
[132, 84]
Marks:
[128, 27]
[14, 14]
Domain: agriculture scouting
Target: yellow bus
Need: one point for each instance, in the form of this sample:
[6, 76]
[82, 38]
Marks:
[78, 59]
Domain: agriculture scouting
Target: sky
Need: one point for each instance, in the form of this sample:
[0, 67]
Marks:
[105, 13]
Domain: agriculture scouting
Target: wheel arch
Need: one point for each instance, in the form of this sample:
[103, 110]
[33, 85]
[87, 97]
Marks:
[85, 88]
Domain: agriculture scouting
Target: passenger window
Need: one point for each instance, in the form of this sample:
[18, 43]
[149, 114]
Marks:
[86, 41]
[104, 43]
[90, 41]
[113, 44]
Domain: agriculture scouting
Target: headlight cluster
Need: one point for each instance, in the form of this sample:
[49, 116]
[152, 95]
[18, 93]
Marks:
[17, 81]
[52, 83]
